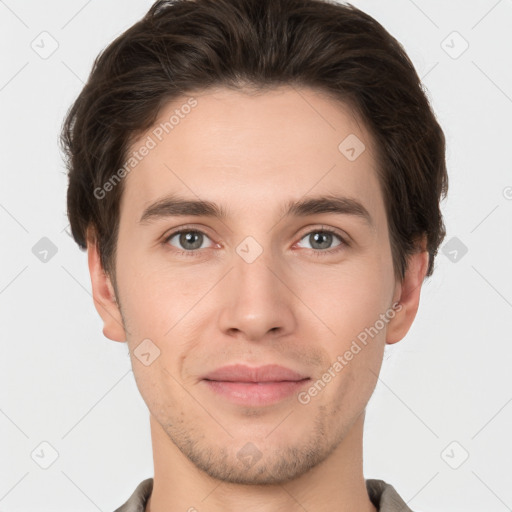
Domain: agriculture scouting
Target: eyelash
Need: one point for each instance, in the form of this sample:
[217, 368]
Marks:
[317, 252]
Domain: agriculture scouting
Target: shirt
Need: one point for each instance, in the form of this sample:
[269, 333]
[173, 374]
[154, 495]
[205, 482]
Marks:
[382, 495]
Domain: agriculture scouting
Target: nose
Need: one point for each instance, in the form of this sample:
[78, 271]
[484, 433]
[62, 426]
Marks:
[257, 299]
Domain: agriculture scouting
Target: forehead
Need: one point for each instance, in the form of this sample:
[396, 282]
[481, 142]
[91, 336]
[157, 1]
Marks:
[247, 151]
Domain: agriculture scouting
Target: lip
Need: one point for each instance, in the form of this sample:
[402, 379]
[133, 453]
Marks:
[255, 386]
[244, 373]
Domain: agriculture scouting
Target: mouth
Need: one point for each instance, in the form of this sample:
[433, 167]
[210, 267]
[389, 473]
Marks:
[255, 386]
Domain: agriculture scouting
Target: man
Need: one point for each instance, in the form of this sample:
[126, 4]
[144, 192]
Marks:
[257, 183]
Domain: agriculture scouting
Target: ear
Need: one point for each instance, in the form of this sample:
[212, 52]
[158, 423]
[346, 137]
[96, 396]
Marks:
[407, 293]
[103, 294]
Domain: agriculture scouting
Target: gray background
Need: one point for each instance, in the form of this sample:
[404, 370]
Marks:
[67, 393]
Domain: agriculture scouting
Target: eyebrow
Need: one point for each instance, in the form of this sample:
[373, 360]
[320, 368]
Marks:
[176, 206]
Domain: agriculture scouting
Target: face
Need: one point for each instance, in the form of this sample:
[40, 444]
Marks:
[258, 285]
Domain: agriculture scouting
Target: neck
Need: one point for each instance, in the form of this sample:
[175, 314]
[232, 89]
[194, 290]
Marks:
[337, 482]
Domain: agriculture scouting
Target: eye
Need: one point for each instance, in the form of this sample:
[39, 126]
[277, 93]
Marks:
[320, 240]
[188, 240]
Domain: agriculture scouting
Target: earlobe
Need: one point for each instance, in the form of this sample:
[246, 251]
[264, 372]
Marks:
[408, 297]
[104, 295]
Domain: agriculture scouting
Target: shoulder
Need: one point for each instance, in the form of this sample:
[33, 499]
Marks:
[137, 501]
[385, 497]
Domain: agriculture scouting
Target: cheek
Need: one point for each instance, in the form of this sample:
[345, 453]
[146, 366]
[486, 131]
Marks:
[356, 344]
[351, 307]
[153, 299]
[350, 298]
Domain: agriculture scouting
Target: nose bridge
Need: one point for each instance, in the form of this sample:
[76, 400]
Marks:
[255, 301]
[253, 265]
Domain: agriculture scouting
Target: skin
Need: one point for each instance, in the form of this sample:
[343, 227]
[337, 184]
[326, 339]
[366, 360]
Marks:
[251, 154]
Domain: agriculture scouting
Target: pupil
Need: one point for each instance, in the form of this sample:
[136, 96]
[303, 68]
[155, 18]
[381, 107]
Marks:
[327, 239]
[186, 238]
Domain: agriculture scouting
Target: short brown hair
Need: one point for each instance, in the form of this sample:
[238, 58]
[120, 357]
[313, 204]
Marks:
[189, 45]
